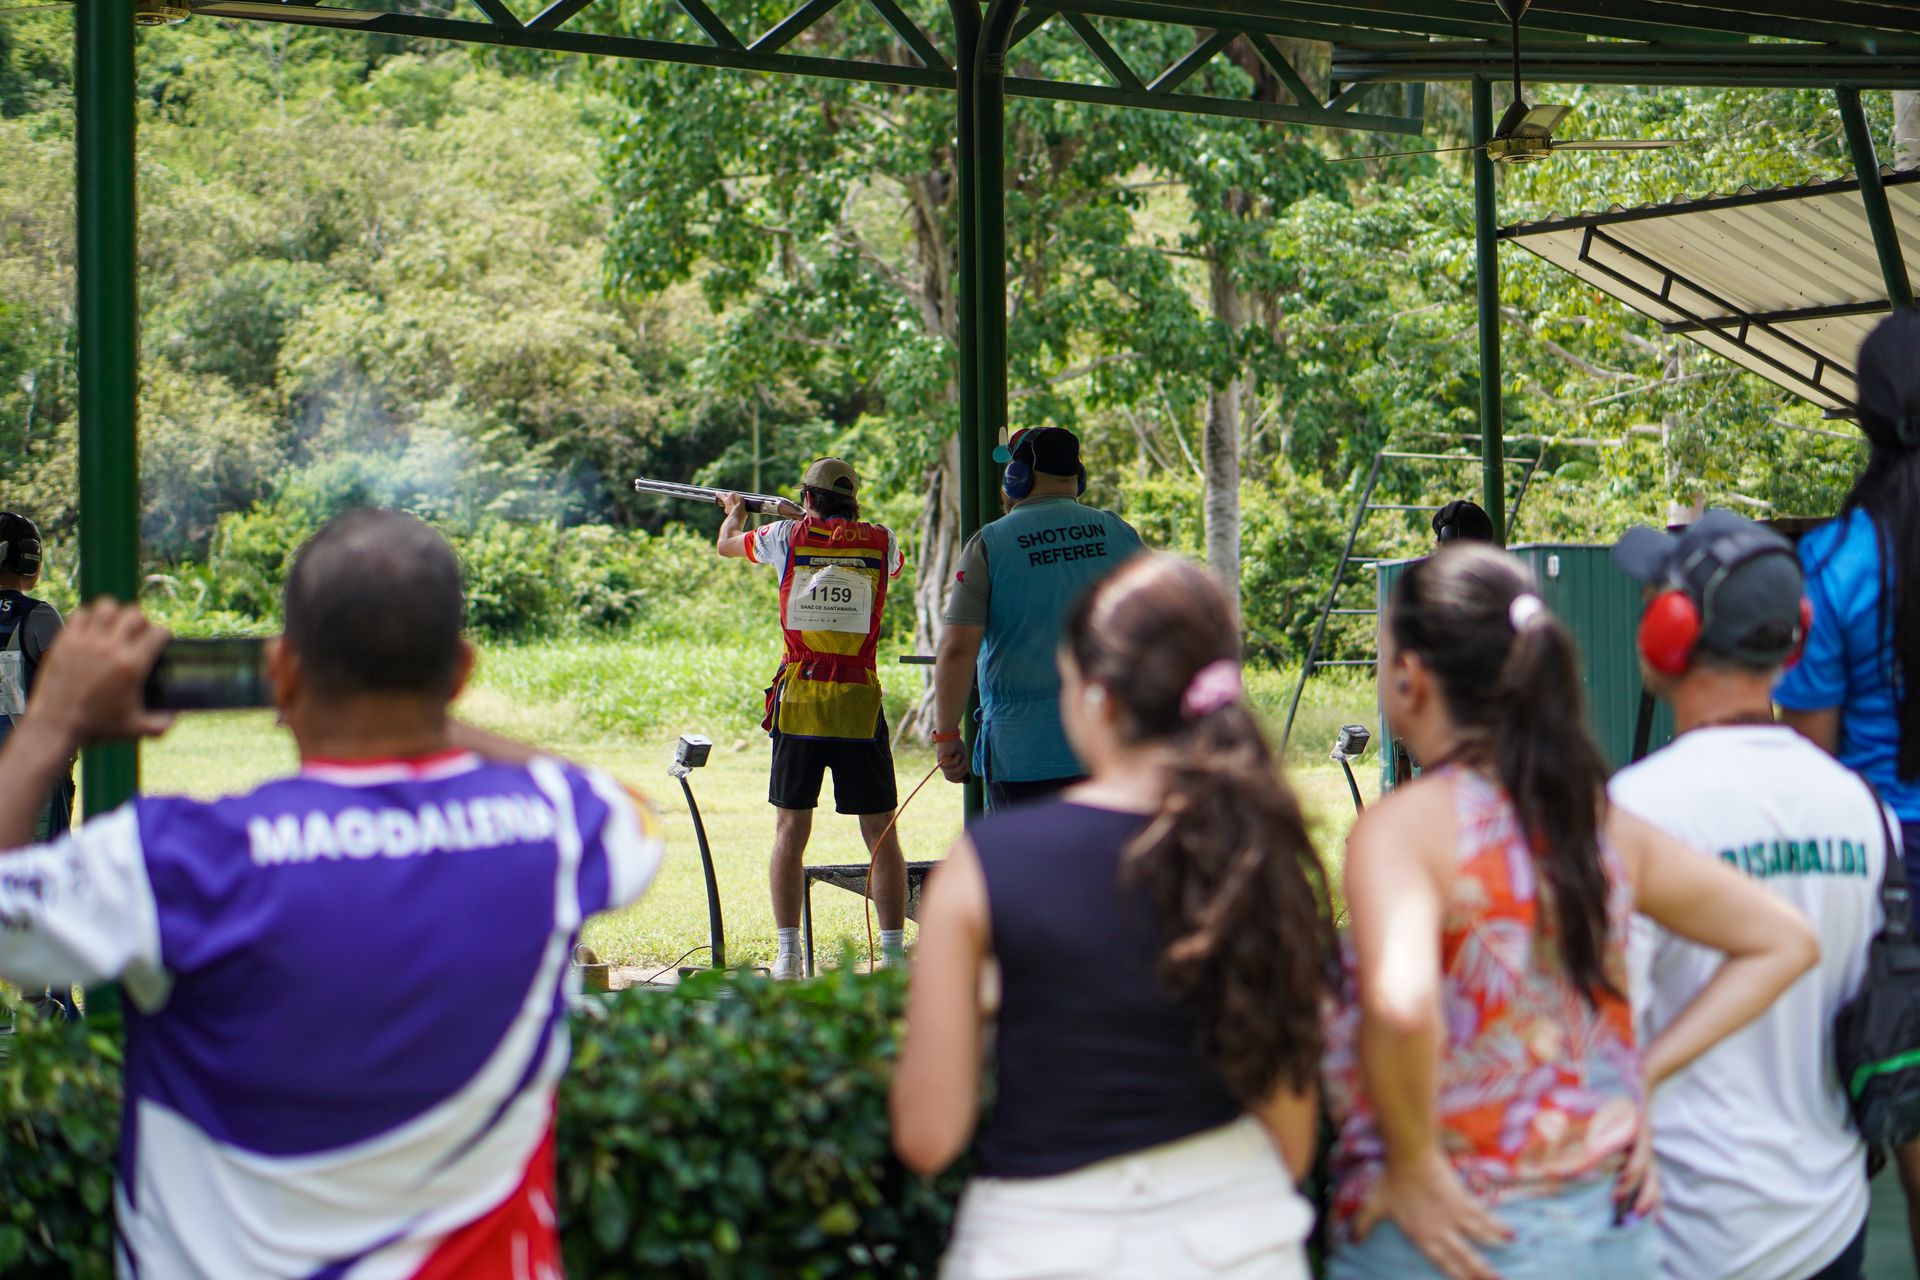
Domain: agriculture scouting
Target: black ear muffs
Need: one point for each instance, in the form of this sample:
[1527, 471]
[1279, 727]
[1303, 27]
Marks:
[19, 544]
[1082, 475]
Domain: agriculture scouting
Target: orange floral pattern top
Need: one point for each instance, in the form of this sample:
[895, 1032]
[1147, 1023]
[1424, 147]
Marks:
[1538, 1088]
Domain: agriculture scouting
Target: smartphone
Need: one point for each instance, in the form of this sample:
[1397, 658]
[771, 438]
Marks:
[210, 675]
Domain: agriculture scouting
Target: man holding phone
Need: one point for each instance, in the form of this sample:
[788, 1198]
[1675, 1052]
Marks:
[345, 990]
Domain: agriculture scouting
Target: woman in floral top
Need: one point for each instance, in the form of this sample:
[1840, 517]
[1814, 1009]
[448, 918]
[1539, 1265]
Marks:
[1484, 1075]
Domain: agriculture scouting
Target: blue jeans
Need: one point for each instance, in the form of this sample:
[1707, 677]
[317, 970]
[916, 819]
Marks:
[1570, 1236]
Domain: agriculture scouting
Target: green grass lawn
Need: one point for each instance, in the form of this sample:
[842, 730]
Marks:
[219, 753]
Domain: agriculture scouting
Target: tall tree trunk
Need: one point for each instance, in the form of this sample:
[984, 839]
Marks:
[939, 530]
[1906, 129]
[1685, 502]
[939, 524]
[1220, 447]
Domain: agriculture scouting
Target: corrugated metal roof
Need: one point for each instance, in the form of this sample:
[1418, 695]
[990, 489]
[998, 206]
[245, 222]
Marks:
[1783, 281]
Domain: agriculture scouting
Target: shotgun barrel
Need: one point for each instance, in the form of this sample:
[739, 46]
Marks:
[765, 504]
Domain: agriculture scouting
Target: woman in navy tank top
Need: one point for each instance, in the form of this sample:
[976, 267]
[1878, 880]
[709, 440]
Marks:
[1163, 945]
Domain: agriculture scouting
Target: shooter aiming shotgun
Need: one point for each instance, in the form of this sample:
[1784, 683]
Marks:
[761, 504]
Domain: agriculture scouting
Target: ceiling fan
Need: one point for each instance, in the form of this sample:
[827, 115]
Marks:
[1525, 133]
[146, 13]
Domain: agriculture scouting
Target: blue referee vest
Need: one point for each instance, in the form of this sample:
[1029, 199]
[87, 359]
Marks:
[1040, 556]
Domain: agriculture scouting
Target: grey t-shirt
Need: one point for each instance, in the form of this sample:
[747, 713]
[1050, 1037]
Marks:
[42, 625]
[967, 606]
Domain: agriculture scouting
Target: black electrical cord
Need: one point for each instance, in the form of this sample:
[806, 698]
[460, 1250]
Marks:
[1358, 805]
[648, 980]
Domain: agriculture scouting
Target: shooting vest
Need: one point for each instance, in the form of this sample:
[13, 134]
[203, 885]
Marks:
[1040, 556]
[16, 665]
[16, 681]
[832, 591]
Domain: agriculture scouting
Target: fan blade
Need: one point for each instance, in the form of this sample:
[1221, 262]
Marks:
[1394, 155]
[1623, 144]
[1546, 118]
[319, 15]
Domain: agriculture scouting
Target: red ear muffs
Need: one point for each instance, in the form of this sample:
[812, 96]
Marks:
[1800, 634]
[1669, 629]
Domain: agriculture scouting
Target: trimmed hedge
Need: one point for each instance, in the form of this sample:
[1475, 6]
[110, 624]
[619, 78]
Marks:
[732, 1127]
[59, 1133]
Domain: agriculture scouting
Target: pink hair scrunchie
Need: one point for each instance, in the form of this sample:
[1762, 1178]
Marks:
[1212, 687]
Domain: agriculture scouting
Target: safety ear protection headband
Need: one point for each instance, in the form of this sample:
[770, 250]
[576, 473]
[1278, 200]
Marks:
[1017, 480]
[16, 550]
[1671, 626]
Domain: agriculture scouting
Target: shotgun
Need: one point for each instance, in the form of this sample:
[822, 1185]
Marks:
[764, 504]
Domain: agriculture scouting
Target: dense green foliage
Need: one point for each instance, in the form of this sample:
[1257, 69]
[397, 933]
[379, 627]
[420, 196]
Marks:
[59, 1134]
[489, 287]
[731, 1127]
[739, 1128]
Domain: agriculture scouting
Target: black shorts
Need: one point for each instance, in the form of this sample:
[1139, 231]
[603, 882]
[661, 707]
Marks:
[862, 772]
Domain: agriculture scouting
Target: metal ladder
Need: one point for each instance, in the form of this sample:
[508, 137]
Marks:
[1349, 558]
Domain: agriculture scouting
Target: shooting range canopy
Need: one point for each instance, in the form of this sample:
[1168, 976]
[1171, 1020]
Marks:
[1784, 281]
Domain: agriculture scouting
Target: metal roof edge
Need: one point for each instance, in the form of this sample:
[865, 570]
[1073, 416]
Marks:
[1686, 204]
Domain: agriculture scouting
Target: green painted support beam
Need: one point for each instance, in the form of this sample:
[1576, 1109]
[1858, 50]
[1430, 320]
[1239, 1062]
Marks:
[1873, 195]
[1486, 286]
[966, 30]
[108, 356]
[1891, 64]
[990, 231]
[545, 32]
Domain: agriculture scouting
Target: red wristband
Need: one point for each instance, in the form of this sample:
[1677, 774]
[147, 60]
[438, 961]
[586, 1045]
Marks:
[948, 735]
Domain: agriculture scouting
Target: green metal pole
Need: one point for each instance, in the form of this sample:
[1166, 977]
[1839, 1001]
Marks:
[990, 235]
[973, 471]
[108, 342]
[1493, 464]
[1866, 165]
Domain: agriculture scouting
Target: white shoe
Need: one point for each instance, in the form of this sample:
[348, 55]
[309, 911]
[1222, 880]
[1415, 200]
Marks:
[788, 968]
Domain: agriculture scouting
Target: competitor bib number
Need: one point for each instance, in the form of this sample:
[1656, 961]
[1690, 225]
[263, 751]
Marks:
[831, 599]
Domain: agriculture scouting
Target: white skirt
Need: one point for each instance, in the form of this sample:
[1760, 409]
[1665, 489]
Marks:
[1217, 1205]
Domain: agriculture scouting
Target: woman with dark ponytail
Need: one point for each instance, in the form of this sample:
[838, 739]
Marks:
[1163, 948]
[1856, 689]
[1483, 1074]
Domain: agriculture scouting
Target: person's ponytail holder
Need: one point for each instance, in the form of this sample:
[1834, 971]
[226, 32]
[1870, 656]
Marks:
[1214, 686]
[1525, 610]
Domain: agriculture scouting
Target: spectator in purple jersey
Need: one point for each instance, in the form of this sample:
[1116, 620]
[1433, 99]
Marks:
[346, 989]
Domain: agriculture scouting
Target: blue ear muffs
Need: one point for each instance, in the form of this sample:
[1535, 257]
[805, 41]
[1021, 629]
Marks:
[1017, 480]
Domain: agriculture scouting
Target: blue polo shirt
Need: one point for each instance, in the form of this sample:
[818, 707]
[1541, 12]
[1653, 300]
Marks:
[1848, 658]
[1017, 579]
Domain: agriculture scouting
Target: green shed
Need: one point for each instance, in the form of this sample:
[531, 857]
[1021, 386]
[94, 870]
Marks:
[1602, 606]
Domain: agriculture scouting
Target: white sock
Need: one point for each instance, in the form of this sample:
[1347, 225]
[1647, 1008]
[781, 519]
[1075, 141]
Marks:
[893, 941]
[789, 941]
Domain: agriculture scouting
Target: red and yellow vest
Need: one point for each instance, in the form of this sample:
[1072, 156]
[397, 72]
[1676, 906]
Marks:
[832, 592]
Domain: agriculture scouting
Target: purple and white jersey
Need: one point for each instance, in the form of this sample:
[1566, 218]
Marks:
[346, 999]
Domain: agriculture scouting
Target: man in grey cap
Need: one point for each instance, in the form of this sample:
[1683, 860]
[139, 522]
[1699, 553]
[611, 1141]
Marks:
[823, 708]
[1724, 614]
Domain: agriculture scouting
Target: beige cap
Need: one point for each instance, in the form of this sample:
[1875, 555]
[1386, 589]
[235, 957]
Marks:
[831, 475]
